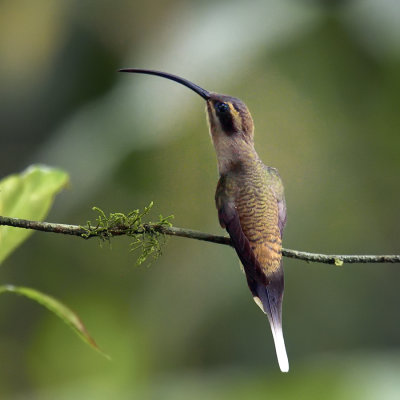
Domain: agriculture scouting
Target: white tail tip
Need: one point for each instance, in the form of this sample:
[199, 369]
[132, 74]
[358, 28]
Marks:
[280, 348]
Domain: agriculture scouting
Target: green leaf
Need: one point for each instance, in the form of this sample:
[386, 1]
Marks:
[61, 310]
[28, 195]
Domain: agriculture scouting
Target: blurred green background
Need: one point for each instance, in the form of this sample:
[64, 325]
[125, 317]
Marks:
[322, 80]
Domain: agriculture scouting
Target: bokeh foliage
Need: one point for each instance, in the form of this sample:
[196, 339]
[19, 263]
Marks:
[322, 82]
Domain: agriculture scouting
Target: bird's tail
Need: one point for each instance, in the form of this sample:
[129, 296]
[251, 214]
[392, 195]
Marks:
[269, 299]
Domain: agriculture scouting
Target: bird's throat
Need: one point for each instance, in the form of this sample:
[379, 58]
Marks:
[232, 154]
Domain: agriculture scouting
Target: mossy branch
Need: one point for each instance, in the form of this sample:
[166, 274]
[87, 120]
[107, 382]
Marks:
[149, 236]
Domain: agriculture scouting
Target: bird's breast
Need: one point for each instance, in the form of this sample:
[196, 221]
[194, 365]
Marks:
[258, 213]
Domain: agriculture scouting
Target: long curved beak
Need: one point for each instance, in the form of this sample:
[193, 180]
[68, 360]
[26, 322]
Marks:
[200, 91]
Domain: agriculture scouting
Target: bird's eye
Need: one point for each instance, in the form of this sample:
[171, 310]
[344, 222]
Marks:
[221, 107]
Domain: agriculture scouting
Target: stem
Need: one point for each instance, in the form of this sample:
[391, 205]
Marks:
[75, 230]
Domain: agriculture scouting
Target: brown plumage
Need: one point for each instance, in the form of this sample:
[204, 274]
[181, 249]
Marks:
[250, 202]
[251, 206]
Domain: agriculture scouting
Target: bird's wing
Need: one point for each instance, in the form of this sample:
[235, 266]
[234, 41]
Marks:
[277, 187]
[258, 257]
[256, 241]
[229, 219]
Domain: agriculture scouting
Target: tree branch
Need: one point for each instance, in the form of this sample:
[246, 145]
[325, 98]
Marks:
[88, 232]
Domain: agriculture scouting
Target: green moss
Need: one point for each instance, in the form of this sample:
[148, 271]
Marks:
[147, 236]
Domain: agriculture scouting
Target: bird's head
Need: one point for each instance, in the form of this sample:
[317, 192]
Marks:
[230, 122]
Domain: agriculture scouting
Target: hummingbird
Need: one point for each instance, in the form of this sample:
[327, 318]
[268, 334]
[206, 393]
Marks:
[250, 202]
